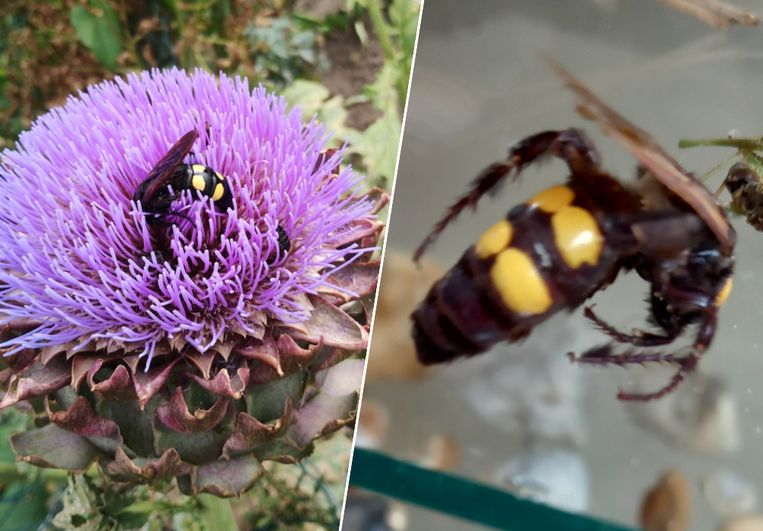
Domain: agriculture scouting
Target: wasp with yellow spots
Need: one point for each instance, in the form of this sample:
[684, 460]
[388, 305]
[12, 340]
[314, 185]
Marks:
[557, 249]
[170, 173]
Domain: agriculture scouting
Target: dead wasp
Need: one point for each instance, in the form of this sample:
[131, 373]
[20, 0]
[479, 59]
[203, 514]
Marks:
[557, 249]
[744, 180]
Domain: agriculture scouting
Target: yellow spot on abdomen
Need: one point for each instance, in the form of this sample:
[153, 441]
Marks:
[198, 182]
[198, 168]
[553, 199]
[494, 240]
[219, 191]
[577, 236]
[724, 293]
[519, 283]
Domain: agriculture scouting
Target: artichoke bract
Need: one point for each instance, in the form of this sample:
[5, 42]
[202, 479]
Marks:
[194, 346]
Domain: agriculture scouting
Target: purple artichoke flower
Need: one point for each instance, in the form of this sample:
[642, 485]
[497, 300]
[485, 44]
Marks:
[194, 346]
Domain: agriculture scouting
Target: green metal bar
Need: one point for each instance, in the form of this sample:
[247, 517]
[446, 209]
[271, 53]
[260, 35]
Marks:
[461, 498]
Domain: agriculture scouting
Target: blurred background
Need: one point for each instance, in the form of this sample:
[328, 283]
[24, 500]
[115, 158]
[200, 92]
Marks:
[523, 418]
[346, 61]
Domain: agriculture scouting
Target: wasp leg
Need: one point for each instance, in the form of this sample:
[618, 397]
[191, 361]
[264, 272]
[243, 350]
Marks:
[604, 355]
[570, 145]
[686, 364]
[639, 338]
[671, 324]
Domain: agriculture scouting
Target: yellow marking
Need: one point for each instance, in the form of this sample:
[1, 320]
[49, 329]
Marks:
[577, 236]
[198, 168]
[519, 283]
[553, 199]
[219, 177]
[198, 182]
[495, 239]
[219, 191]
[724, 293]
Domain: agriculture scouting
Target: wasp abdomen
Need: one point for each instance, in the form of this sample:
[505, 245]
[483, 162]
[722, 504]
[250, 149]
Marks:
[209, 183]
[548, 254]
[456, 318]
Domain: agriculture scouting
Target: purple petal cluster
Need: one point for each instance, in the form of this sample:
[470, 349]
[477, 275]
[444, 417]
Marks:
[79, 258]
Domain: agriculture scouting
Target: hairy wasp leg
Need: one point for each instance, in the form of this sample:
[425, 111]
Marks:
[570, 145]
[639, 338]
[604, 355]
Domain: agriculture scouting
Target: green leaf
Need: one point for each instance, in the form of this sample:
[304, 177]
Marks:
[99, 31]
[312, 98]
[217, 514]
[12, 421]
[382, 91]
[361, 32]
[82, 507]
[755, 162]
[404, 15]
[307, 95]
[377, 145]
[24, 504]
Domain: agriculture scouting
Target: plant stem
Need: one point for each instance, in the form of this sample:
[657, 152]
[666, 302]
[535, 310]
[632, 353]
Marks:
[11, 472]
[739, 143]
[381, 29]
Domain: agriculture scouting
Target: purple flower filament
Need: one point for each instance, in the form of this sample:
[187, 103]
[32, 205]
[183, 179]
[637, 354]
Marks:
[79, 256]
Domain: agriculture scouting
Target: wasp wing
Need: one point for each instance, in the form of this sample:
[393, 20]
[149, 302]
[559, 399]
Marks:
[161, 174]
[665, 169]
[714, 13]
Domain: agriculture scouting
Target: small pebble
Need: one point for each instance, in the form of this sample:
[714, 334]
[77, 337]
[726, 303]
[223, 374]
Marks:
[667, 506]
[743, 523]
[556, 477]
[728, 494]
[441, 453]
[397, 516]
[373, 424]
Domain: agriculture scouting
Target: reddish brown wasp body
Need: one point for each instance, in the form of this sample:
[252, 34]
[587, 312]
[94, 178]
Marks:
[557, 249]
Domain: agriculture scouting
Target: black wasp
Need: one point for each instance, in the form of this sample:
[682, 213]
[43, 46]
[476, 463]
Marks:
[171, 173]
[154, 192]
